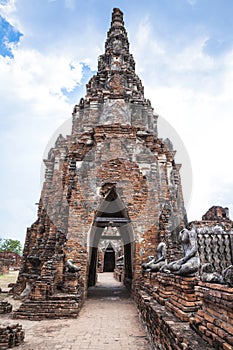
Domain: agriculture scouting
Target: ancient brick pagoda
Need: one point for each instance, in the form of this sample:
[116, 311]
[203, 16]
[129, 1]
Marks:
[112, 172]
[111, 201]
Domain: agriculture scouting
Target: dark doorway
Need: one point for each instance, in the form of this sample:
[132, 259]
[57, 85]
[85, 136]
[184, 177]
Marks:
[109, 259]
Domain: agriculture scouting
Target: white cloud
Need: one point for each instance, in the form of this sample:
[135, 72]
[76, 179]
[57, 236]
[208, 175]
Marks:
[193, 92]
[32, 107]
[34, 76]
[44, 75]
[144, 44]
[192, 57]
[7, 8]
[8, 11]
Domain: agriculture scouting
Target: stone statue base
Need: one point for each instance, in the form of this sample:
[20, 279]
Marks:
[183, 301]
[214, 320]
[41, 290]
[157, 285]
[164, 287]
[70, 282]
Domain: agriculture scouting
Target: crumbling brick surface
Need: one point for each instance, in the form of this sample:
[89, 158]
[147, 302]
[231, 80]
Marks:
[183, 301]
[166, 331]
[214, 321]
[217, 213]
[10, 335]
[5, 307]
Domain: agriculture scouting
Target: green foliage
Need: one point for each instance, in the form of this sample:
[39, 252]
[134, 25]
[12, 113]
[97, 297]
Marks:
[10, 245]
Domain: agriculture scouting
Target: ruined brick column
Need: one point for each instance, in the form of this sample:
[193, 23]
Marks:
[111, 171]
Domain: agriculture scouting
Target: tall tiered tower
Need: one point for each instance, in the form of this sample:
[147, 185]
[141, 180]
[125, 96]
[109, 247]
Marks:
[112, 173]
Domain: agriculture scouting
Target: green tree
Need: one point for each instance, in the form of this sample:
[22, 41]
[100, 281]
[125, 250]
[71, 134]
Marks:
[10, 245]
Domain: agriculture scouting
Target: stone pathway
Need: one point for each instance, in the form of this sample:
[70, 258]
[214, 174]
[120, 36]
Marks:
[108, 320]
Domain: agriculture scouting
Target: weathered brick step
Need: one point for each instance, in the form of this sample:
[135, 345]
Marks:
[50, 302]
[38, 310]
[66, 297]
[47, 308]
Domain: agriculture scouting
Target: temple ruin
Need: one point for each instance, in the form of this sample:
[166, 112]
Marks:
[112, 201]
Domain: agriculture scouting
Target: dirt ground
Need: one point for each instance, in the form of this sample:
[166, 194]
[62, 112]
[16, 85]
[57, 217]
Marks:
[4, 281]
[10, 277]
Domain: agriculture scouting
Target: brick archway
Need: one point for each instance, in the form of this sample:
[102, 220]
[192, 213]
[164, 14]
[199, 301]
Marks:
[111, 212]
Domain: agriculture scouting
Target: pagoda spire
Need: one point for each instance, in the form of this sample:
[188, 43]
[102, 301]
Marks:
[117, 41]
[117, 18]
[116, 75]
[117, 53]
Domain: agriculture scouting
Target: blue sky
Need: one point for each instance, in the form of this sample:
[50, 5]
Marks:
[184, 56]
[8, 35]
